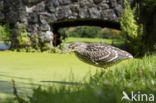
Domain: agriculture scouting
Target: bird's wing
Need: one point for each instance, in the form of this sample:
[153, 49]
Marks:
[106, 53]
[101, 52]
[122, 54]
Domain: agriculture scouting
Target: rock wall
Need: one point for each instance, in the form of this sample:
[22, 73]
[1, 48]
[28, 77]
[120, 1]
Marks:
[39, 15]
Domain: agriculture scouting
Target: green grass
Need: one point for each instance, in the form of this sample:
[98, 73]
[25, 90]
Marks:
[54, 72]
[106, 86]
[115, 42]
[88, 40]
[28, 69]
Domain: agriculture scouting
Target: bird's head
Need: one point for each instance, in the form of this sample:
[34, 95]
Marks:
[75, 46]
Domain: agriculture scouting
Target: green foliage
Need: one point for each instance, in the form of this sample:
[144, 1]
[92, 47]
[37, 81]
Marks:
[46, 46]
[35, 41]
[9, 100]
[131, 32]
[23, 38]
[148, 17]
[154, 46]
[5, 33]
[64, 33]
[81, 31]
[151, 3]
[24, 42]
[106, 34]
[139, 38]
[89, 32]
[128, 23]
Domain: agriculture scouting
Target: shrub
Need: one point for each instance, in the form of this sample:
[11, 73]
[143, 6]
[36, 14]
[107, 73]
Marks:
[5, 33]
[128, 23]
[148, 18]
[88, 32]
[131, 32]
[35, 42]
[23, 38]
[81, 31]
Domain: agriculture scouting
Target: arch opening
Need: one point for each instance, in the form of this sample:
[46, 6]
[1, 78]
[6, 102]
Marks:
[80, 22]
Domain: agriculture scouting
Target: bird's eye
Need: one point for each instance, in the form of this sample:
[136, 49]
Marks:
[73, 47]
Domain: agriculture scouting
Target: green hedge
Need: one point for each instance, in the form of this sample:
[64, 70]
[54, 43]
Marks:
[89, 32]
[5, 33]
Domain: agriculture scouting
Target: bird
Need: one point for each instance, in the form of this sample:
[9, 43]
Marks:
[98, 54]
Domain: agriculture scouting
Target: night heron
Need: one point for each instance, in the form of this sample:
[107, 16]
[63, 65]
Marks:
[98, 54]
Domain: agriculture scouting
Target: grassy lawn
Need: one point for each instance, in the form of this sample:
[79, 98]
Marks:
[88, 40]
[29, 69]
[34, 69]
[114, 42]
[136, 75]
[106, 86]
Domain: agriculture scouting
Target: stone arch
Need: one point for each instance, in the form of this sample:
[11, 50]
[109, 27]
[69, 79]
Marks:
[43, 17]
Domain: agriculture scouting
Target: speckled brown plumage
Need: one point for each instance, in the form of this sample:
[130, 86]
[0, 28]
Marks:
[98, 54]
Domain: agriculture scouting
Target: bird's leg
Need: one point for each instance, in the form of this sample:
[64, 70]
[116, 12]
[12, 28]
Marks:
[94, 61]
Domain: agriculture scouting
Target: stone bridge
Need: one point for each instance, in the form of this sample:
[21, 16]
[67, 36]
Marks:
[45, 17]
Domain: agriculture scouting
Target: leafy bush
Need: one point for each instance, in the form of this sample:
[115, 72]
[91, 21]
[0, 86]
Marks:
[152, 3]
[128, 23]
[131, 32]
[81, 31]
[5, 33]
[148, 18]
[23, 38]
[89, 32]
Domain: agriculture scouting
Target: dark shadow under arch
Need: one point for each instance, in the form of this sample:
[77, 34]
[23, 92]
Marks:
[80, 22]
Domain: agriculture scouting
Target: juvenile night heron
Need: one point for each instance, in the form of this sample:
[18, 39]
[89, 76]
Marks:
[98, 54]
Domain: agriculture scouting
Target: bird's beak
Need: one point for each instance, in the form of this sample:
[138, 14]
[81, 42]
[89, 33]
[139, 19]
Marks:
[66, 51]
